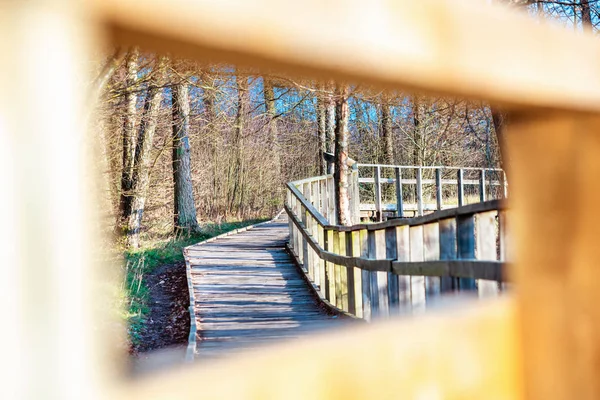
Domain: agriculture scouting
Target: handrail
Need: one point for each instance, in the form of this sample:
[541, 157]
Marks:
[491, 183]
[369, 269]
[360, 165]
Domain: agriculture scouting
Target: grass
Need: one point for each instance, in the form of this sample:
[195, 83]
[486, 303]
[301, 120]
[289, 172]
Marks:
[141, 262]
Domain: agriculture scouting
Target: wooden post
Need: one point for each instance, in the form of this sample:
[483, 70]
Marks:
[323, 207]
[329, 269]
[391, 252]
[337, 272]
[399, 201]
[466, 246]
[374, 291]
[379, 285]
[350, 285]
[343, 272]
[486, 250]
[354, 251]
[354, 197]
[403, 254]
[555, 185]
[431, 251]
[417, 283]
[321, 263]
[482, 189]
[52, 191]
[460, 191]
[448, 251]
[365, 275]
[306, 219]
[378, 207]
[420, 191]
[331, 200]
[291, 225]
[438, 188]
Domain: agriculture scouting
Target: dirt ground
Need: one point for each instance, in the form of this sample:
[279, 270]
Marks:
[168, 324]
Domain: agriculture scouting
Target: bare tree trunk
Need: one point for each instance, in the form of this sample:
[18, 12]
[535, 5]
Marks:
[386, 131]
[269, 97]
[141, 170]
[129, 144]
[184, 204]
[330, 119]
[417, 133]
[214, 135]
[238, 143]
[321, 130]
[500, 121]
[341, 156]
[586, 15]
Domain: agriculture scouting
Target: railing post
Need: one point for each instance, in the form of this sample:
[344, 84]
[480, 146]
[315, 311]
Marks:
[324, 208]
[329, 269]
[417, 283]
[341, 273]
[486, 250]
[354, 196]
[331, 200]
[399, 201]
[403, 254]
[438, 188]
[391, 252]
[288, 196]
[482, 188]
[354, 276]
[378, 207]
[378, 279]
[365, 275]
[306, 219]
[466, 246]
[460, 191]
[320, 262]
[336, 271]
[344, 271]
[420, 191]
[448, 251]
[431, 251]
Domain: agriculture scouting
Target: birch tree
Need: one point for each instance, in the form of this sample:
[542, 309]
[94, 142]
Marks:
[341, 156]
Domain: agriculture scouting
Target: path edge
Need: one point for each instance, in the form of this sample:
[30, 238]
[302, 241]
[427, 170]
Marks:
[190, 352]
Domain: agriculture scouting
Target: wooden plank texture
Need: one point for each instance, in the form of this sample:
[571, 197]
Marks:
[442, 46]
[248, 292]
[554, 156]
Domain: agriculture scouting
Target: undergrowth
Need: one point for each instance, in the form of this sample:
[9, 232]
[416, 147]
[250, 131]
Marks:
[141, 262]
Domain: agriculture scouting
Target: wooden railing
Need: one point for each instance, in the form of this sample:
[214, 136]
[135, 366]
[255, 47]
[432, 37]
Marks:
[446, 187]
[380, 269]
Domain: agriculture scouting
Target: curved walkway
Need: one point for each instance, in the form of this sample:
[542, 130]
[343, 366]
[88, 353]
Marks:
[248, 292]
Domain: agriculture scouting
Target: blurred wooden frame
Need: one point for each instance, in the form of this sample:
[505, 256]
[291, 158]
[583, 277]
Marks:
[541, 343]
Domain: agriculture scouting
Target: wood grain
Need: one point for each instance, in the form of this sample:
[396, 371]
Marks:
[248, 292]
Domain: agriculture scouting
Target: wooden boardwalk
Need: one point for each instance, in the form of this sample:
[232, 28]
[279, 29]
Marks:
[249, 292]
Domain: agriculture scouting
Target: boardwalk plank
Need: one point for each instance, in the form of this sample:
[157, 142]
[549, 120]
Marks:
[249, 293]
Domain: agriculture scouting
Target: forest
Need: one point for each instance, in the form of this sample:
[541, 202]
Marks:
[193, 149]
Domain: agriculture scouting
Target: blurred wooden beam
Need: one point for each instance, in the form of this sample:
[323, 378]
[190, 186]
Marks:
[469, 352]
[459, 48]
[555, 226]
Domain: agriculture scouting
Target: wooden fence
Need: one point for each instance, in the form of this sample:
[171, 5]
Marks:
[540, 344]
[447, 186]
[382, 269]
